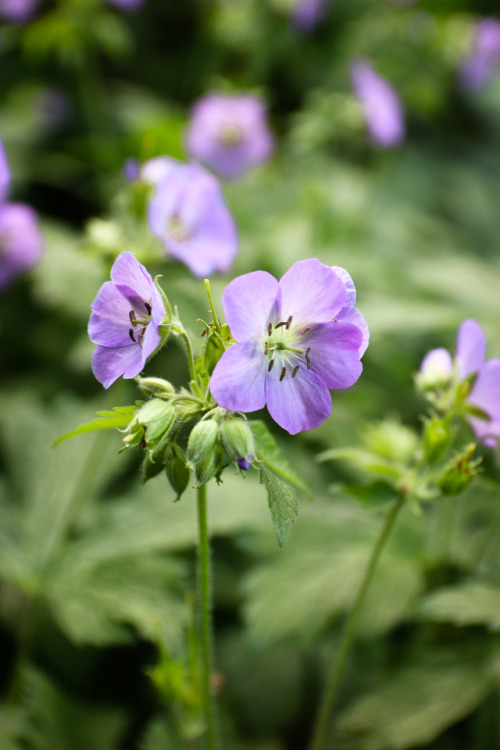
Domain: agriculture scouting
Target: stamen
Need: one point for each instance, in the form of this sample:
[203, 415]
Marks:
[131, 334]
[308, 361]
[270, 365]
[288, 322]
[283, 373]
[148, 307]
[295, 371]
[269, 329]
[266, 348]
[132, 319]
[278, 325]
[306, 330]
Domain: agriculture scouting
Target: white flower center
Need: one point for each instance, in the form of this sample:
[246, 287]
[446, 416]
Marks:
[230, 134]
[286, 349]
[139, 321]
[177, 229]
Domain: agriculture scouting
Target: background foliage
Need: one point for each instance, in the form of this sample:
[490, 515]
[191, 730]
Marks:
[97, 571]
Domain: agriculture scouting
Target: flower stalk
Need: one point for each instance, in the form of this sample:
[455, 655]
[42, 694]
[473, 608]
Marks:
[330, 694]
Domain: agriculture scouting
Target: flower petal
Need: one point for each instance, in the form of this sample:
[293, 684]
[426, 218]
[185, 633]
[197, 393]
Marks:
[334, 353]
[471, 348]
[354, 316]
[109, 363]
[237, 382]
[299, 403]
[249, 302]
[485, 392]
[109, 322]
[127, 271]
[350, 289]
[311, 292]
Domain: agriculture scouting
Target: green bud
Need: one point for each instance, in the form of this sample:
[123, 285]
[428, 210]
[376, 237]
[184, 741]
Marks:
[438, 436]
[202, 439]
[155, 386]
[459, 473]
[176, 470]
[212, 465]
[214, 349]
[237, 439]
[225, 334]
[150, 468]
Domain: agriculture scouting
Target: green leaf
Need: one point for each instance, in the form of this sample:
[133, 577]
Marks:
[371, 463]
[269, 452]
[282, 503]
[472, 603]
[119, 417]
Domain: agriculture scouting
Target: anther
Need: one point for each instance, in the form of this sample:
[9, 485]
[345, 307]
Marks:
[269, 329]
[266, 348]
[148, 307]
[308, 361]
[270, 365]
[278, 325]
[288, 322]
[131, 334]
[306, 330]
[295, 371]
[283, 373]
[132, 319]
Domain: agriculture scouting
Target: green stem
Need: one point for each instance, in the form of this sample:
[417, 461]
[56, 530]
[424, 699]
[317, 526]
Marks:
[321, 724]
[190, 356]
[205, 609]
[212, 307]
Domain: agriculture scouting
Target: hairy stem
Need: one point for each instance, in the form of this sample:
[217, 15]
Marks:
[205, 612]
[321, 724]
[212, 307]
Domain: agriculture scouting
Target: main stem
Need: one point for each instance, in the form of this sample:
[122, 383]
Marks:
[205, 610]
[330, 694]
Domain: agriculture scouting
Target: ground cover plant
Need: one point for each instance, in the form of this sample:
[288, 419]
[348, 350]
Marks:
[249, 308]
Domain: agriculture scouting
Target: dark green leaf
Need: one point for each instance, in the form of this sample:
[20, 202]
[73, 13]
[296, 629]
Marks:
[269, 452]
[282, 503]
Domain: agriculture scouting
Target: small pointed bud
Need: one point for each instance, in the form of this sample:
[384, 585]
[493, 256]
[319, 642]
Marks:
[155, 386]
[158, 418]
[237, 439]
[459, 473]
[438, 436]
[155, 408]
[202, 440]
[212, 465]
[214, 349]
[177, 471]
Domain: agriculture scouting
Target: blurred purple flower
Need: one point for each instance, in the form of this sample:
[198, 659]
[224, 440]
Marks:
[229, 134]
[478, 69]
[296, 339]
[4, 174]
[189, 215]
[127, 4]
[131, 169]
[307, 14]
[382, 108]
[21, 243]
[18, 11]
[438, 368]
[125, 320]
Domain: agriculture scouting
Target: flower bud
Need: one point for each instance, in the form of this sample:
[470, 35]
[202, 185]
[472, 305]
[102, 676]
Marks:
[214, 349]
[237, 439]
[460, 473]
[436, 370]
[202, 439]
[212, 465]
[437, 439]
[176, 470]
[150, 468]
[155, 386]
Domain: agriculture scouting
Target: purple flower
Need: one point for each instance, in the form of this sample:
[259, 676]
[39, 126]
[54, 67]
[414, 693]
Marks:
[18, 11]
[438, 368]
[381, 106]
[131, 169]
[296, 339]
[307, 14]
[229, 134]
[125, 320]
[483, 62]
[21, 243]
[189, 215]
[4, 174]
[127, 4]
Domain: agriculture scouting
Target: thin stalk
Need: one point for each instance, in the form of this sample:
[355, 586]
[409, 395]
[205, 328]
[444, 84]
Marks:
[190, 356]
[321, 724]
[212, 307]
[205, 613]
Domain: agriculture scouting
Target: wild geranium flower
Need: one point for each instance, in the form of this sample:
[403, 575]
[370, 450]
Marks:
[307, 14]
[4, 174]
[189, 215]
[125, 320]
[18, 11]
[296, 339]
[229, 134]
[480, 66]
[381, 106]
[483, 399]
[21, 242]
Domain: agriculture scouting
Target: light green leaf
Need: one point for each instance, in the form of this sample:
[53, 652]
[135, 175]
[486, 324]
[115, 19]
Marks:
[472, 603]
[282, 503]
[119, 417]
[269, 452]
[363, 460]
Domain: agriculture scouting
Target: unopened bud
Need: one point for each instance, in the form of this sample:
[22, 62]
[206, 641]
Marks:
[237, 439]
[150, 468]
[177, 471]
[212, 465]
[435, 371]
[460, 473]
[214, 349]
[202, 439]
[155, 386]
[437, 439]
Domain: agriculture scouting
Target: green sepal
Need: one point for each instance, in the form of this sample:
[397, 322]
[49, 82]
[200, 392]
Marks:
[438, 436]
[214, 349]
[237, 439]
[202, 440]
[118, 418]
[211, 466]
[176, 470]
[150, 468]
[165, 324]
[282, 501]
[460, 472]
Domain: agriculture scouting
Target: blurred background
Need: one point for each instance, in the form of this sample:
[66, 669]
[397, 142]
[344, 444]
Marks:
[401, 188]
